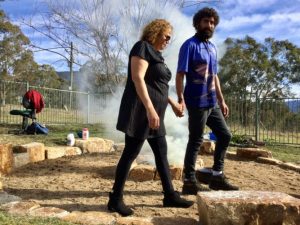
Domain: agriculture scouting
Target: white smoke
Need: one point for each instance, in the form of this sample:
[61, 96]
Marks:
[177, 128]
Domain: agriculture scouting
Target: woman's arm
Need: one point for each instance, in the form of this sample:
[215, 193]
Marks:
[138, 70]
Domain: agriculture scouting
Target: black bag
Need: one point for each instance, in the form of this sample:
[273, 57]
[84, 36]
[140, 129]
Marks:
[36, 128]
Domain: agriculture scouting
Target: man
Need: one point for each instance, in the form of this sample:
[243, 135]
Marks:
[204, 101]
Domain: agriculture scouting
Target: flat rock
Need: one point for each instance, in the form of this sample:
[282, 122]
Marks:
[247, 207]
[57, 152]
[270, 161]
[21, 208]
[199, 163]
[90, 218]
[230, 154]
[94, 144]
[48, 212]
[290, 166]
[133, 221]
[175, 171]
[35, 151]
[6, 158]
[252, 153]
[207, 147]
[119, 147]
[176, 220]
[142, 172]
[6, 198]
[21, 159]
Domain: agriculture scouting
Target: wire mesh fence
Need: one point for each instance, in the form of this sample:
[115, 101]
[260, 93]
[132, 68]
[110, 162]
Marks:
[265, 119]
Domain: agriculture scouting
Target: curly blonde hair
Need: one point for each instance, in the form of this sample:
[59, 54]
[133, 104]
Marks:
[154, 29]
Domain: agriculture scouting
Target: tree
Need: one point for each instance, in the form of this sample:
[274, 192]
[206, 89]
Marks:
[17, 62]
[264, 70]
[267, 69]
[102, 30]
[16, 58]
[12, 47]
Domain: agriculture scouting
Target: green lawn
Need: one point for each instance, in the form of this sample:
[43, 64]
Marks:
[6, 219]
[57, 134]
[285, 153]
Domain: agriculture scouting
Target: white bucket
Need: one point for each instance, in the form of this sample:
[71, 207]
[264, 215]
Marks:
[71, 139]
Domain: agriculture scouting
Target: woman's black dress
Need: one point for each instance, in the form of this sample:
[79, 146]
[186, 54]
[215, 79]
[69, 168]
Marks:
[132, 118]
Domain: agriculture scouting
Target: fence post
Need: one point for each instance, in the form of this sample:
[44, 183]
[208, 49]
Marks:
[27, 86]
[257, 117]
[88, 107]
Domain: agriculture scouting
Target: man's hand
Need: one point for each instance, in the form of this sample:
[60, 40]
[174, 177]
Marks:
[181, 105]
[178, 109]
[225, 109]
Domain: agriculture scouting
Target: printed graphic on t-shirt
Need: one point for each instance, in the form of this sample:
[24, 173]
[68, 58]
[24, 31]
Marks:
[202, 70]
[204, 77]
[212, 86]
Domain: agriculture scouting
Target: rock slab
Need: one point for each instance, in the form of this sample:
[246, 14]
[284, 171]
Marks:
[6, 158]
[253, 153]
[247, 207]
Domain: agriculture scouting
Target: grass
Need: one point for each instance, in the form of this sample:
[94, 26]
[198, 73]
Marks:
[57, 134]
[285, 153]
[7, 219]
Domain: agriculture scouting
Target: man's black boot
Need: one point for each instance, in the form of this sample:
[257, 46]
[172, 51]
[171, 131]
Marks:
[192, 187]
[174, 200]
[220, 182]
[203, 177]
[116, 204]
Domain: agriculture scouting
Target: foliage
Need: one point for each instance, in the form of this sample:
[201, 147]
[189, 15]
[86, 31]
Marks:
[16, 59]
[239, 139]
[267, 68]
[104, 30]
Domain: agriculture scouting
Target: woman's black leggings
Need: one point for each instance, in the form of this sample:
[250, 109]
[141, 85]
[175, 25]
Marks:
[132, 148]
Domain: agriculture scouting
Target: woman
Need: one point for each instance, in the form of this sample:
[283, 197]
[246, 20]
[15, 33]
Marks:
[141, 114]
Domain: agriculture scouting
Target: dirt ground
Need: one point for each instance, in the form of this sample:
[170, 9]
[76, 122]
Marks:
[82, 183]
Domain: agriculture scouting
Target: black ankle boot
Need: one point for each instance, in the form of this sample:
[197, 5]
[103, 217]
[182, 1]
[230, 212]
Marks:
[174, 200]
[192, 187]
[116, 204]
[220, 182]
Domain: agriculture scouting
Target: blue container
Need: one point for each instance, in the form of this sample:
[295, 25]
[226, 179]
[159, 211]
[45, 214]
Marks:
[79, 134]
[212, 136]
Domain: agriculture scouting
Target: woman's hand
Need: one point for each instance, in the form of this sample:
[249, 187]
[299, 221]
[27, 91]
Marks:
[153, 119]
[177, 108]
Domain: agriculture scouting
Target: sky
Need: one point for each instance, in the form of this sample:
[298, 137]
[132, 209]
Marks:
[238, 18]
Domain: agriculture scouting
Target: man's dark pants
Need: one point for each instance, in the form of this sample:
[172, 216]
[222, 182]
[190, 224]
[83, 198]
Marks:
[214, 119]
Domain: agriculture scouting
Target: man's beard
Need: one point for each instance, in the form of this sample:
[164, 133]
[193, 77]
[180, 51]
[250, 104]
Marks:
[205, 33]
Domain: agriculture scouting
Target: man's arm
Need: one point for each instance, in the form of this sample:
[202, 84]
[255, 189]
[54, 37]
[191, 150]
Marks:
[220, 97]
[179, 90]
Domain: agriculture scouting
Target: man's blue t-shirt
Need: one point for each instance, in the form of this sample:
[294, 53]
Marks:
[198, 60]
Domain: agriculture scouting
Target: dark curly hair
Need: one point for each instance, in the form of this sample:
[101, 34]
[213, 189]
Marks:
[204, 13]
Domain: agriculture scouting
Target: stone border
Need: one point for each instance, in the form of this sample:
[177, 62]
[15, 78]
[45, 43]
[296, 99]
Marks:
[265, 160]
[14, 156]
[33, 209]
